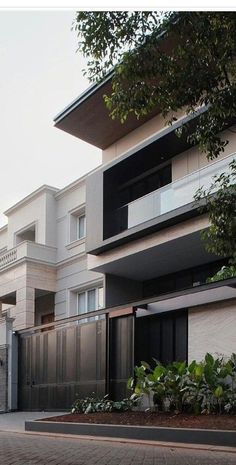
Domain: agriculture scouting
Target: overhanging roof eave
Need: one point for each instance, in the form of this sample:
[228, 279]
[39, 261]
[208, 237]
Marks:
[82, 97]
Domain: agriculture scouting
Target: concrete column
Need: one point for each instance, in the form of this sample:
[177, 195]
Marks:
[25, 308]
[6, 357]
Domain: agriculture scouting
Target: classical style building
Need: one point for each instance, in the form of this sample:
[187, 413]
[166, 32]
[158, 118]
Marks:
[43, 265]
[123, 243]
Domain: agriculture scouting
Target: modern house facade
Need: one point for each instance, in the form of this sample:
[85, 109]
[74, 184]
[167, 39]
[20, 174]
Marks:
[147, 241]
[111, 269]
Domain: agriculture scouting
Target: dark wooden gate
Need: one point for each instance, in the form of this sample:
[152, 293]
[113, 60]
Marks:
[58, 365]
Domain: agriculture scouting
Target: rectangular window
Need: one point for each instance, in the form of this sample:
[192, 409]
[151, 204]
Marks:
[90, 300]
[81, 227]
[81, 303]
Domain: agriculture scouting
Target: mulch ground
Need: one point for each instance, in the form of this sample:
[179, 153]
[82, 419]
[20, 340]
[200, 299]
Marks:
[224, 422]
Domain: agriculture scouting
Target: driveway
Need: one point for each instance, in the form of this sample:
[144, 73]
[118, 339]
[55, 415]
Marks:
[15, 421]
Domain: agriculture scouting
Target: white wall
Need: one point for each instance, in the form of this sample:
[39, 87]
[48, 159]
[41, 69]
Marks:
[71, 278]
[72, 270]
[212, 328]
[3, 238]
[39, 210]
[68, 202]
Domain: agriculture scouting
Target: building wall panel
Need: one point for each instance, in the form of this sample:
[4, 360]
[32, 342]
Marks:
[212, 328]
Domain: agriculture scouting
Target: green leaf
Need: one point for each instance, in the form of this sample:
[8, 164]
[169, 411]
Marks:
[158, 372]
[145, 365]
[219, 392]
[209, 359]
[130, 383]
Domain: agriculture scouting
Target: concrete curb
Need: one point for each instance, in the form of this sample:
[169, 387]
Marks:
[169, 445]
[141, 433]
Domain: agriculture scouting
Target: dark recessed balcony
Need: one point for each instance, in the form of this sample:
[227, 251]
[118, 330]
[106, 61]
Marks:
[168, 197]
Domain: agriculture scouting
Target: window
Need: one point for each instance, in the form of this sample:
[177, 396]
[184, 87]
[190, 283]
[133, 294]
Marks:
[81, 227]
[149, 183]
[77, 224]
[90, 300]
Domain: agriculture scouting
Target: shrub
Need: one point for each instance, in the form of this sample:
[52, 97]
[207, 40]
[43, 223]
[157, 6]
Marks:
[95, 404]
[205, 387]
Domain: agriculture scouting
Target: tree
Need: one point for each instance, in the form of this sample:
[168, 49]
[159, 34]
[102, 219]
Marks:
[220, 204]
[170, 61]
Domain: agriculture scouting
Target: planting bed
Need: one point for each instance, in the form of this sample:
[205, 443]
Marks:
[215, 422]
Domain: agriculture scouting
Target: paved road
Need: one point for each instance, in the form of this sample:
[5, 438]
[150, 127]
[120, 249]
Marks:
[22, 449]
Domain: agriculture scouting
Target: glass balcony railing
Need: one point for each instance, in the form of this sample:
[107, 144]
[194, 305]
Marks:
[173, 195]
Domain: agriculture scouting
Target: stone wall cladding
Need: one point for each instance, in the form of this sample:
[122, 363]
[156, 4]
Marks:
[211, 328]
[3, 379]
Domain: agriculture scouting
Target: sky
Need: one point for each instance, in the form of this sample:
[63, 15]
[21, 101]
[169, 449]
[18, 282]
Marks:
[40, 74]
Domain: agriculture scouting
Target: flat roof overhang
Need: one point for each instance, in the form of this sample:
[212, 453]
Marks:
[189, 298]
[201, 295]
[172, 256]
[87, 118]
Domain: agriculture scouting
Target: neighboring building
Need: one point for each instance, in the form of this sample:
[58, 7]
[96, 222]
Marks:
[43, 264]
[43, 270]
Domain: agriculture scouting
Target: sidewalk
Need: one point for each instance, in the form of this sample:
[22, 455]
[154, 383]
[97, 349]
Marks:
[15, 421]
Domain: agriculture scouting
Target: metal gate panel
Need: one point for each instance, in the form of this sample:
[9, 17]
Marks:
[161, 336]
[121, 354]
[58, 365]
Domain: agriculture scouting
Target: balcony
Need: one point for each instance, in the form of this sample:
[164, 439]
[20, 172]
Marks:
[171, 196]
[31, 250]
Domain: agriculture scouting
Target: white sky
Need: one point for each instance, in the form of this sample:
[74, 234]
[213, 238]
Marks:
[40, 73]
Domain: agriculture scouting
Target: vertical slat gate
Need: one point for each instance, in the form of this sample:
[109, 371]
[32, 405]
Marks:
[58, 365]
[121, 355]
[161, 336]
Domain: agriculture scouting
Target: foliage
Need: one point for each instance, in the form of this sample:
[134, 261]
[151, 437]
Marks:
[95, 404]
[225, 272]
[220, 204]
[166, 60]
[205, 387]
[172, 61]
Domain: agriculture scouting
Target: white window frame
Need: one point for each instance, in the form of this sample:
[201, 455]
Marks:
[73, 218]
[78, 237]
[86, 291]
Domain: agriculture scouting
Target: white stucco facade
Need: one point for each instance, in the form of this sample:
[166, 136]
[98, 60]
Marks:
[43, 264]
